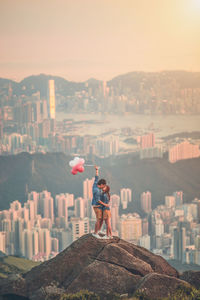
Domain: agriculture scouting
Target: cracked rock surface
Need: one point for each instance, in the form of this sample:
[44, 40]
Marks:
[93, 264]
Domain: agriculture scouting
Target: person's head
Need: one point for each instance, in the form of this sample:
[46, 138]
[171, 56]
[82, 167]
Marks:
[106, 190]
[101, 183]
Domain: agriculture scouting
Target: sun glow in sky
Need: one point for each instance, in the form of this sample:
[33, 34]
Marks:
[79, 39]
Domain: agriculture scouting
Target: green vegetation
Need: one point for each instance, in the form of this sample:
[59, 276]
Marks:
[87, 295]
[82, 295]
[15, 265]
[182, 293]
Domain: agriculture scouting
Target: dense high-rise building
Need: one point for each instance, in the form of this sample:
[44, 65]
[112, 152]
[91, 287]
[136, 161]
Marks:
[1, 129]
[179, 242]
[170, 201]
[107, 146]
[115, 201]
[51, 98]
[126, 197]
[79, 227]
[80, 208]
[130, 227]
[184, 150]
[145, 241]
[37, 117]
[178, 197]
[145, 200]
[62, 206]
[145, 226]
[3, 242]
[45, 205]
[146, 141]
[44, 109]
[159, 227]
[87, 188]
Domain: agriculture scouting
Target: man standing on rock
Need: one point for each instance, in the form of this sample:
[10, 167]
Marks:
[96, 190]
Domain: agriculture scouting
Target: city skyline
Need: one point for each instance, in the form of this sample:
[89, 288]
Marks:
[79, 40]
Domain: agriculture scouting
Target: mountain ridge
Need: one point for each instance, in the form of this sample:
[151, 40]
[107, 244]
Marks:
[125, 83]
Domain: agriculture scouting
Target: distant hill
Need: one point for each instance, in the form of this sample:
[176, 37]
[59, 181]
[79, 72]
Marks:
[26, 172]
[35, 83]
[132, 82]
[129, 83]
[15, 265]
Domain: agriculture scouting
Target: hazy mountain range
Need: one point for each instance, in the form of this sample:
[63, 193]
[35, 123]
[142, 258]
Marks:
[127, 83]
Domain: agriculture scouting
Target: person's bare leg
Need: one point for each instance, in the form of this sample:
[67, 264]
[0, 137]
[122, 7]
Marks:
[100, 224]
[109, 227]
[97, 225]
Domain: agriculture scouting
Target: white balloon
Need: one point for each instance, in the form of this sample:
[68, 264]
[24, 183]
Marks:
[72, 163]
[82, 161]
[76, 160]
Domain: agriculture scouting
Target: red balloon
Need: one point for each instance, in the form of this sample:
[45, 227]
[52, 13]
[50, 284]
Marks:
[80, 168]
[74, 171]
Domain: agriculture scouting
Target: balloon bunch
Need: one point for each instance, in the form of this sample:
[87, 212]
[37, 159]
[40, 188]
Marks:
[77, 165]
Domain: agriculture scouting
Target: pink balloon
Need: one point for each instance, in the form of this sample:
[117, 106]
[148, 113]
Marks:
[74, 171]
[80, 168]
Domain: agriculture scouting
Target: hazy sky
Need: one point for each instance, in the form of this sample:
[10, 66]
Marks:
[79, 39]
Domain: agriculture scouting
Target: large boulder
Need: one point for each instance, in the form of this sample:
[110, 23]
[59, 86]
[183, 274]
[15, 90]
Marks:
[97, 265]
[155, 286]
[192, 277]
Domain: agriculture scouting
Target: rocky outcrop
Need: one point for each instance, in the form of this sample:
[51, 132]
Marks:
[155, 286]
[100, 266]
[192, 277]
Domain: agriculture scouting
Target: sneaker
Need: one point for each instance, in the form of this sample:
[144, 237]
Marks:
[110, 237]
[96, 235]
[101, 232]
[105, 237]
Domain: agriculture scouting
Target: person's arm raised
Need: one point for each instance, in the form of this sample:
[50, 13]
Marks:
[97, 170]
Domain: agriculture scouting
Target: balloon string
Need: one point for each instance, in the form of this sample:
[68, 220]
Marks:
[91, 166]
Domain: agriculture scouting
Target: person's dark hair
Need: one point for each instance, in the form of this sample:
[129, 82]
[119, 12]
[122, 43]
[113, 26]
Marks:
[107, 191]
[101, 181]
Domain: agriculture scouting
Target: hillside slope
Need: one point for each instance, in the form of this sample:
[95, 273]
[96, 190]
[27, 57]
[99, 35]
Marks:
[15, 265]
[25, 172]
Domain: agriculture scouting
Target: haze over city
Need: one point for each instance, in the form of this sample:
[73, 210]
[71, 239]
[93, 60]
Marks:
[99, 125]
[101, 39]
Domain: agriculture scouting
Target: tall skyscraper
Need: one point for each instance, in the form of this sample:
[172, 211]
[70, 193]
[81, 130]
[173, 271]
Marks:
[179, 242]
[126, 197]
[51, 99]
[87, 188]
[80, 207]
[115, 201]
[145, 200]
[62, 206]
[45, 205]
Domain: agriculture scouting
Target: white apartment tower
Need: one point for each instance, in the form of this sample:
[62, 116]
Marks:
[126, 197]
